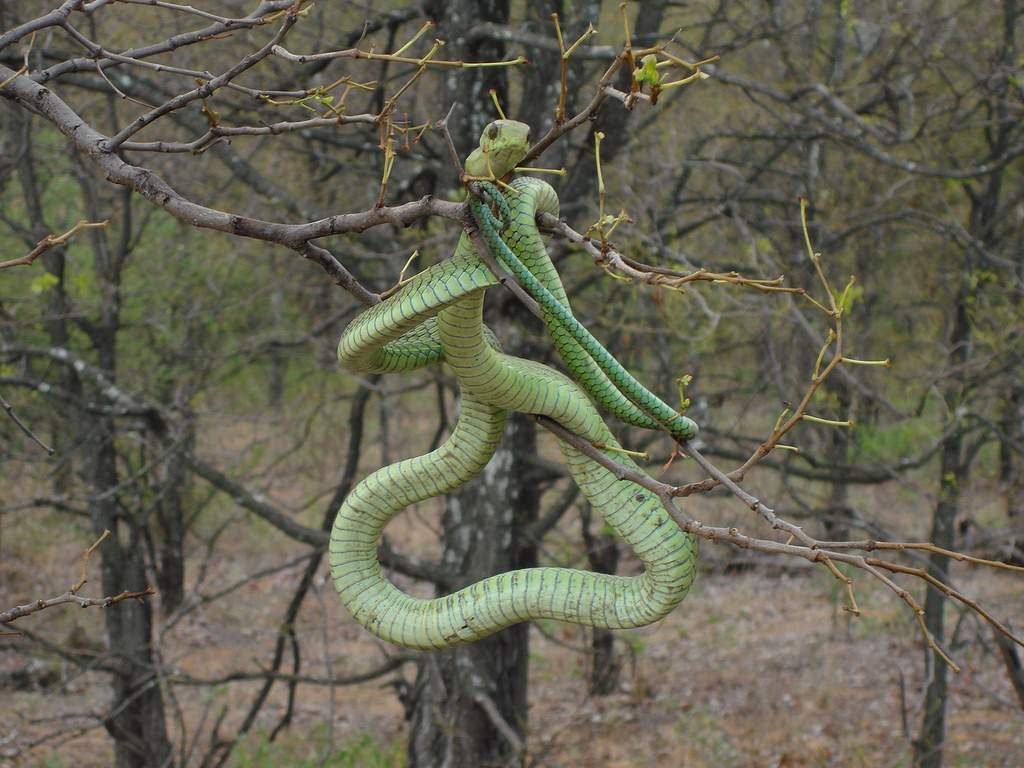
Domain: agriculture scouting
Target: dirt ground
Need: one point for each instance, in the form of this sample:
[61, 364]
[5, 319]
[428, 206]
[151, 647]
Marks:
[758, 667]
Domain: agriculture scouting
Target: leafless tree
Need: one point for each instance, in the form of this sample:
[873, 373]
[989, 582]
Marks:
[275, 130]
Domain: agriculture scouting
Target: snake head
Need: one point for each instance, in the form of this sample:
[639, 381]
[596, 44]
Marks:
[503, 145]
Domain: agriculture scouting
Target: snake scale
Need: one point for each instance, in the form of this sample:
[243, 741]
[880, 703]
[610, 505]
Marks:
[437, 316]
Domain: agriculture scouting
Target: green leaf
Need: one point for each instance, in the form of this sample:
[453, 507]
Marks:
[849, 296]
[648, 72]
[42, 283]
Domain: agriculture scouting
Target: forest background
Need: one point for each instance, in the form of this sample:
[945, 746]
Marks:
[176, 384]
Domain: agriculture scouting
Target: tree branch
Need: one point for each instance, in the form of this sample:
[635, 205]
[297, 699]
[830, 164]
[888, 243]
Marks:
[810, 549]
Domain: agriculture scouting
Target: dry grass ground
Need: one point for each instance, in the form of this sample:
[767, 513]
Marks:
[758, 667]
[755, 669]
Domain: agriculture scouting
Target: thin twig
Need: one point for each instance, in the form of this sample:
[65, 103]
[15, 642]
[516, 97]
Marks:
[812, 551]
[86, 557]
[608, 256]
[70, 597]
[23, 427]
[51, 241]
[356, 53]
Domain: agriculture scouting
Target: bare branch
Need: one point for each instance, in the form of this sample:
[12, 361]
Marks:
[393, 663]
[853, 139]
[20, 611]
[135, 55]
[204, 90]
[54, 18]
[809, 549]
[72, 596]
[609, 257]
[51, 241]
[21, 425]
[218, 132]
[356, 53]
[92, 144]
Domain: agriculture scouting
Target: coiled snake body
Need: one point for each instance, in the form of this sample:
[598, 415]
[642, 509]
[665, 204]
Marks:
[438, 316]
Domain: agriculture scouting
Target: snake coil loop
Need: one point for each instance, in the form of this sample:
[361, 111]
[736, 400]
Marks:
[438, 316]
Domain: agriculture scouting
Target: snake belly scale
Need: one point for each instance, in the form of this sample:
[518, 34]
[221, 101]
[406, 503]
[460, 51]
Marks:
[438, 316]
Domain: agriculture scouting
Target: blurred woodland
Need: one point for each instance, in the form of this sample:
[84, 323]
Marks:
[194, 204]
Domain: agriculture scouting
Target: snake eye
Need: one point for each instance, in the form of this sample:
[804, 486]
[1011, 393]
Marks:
[492, 131]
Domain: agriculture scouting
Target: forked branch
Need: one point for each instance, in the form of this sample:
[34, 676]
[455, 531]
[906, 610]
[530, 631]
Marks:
[72, 596]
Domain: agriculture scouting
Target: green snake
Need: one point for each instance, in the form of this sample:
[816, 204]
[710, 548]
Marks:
[437, 316]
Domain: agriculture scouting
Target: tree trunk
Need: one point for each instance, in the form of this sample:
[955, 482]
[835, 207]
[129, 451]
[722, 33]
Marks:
[470, 702]
[1012, 663]
[169, 550]
[603, 556]
[55, 322]
[278, 359]
[928, 746]
[581, 183]
[606, 664]
[469, 88]
[136, 716]
[1011, 470]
